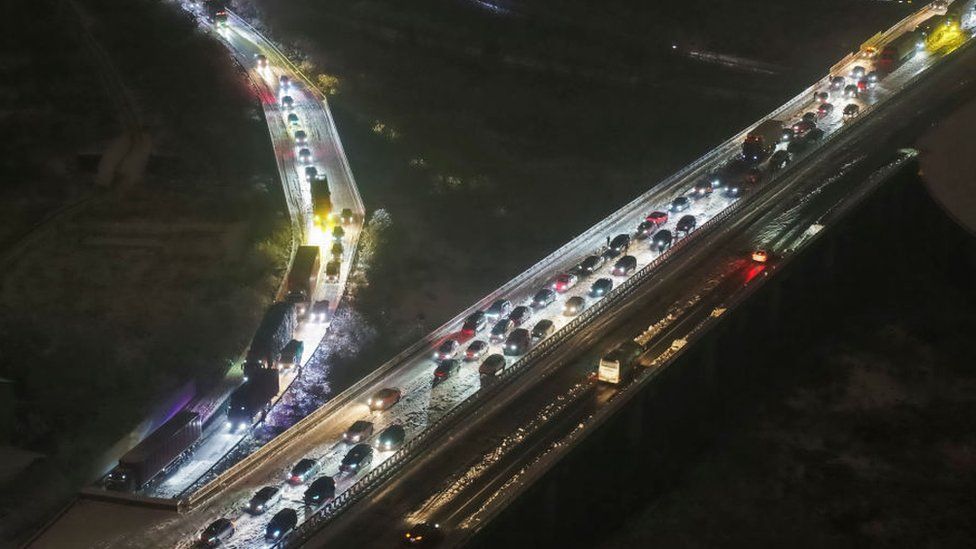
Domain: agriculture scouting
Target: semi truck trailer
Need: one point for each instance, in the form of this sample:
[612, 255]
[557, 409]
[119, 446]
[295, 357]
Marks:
[156, 452]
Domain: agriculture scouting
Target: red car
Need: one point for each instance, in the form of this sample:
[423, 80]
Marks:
[658, 218]
[565, 282]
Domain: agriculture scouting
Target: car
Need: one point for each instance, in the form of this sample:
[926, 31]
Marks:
[384, 399]
[284, 83]
[263, 499]
[810, 117]
[357, 458]
[261, 61]
[657, 217]
[501, 329]
[753, 176]
[662, 240]
[625, 266]
[821, 97]
[685, 225]
[565, 282]
[498, 309]
[864, 85]
[734, 191]
[476, 350]
[825, 109]
[857, 72]
[518, 342]
[319, 491]
[787, 134]
[851, 91]
[542, 329]
[283, 522]
[474, 323]
[873, 77]
[445, 369]
[815, 134]
[779, 160]
[217, 532]
[336, 250]
[424, 533]
[305, 156]
[851, 111]
[601, 287]
[287, 102]
[797, 147]
[801, 128]
[760, 256]
[447, 350]
[391, 438]
[310, 173]
[702, 189]
[543, 298]
[619, 244]
[293, 120]
[359, 431]
[492, 365]
[520, 315]
[645, 229]
[303, 470]
[591, 264]
[301, 137]
[346, 216]
[574, 306]
[836, 83]
[680, 204]
[338, 233]
[319, 312]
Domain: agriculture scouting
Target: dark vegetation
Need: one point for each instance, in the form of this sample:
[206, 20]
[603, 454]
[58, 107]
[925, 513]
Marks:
[493, 138]
[143, 290]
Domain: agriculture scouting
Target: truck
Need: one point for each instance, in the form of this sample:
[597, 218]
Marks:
[156, 452]
[762, 140]
[321, 200]
[617, 365]
[250, 402]
[276, 330]
[899, 50]
[302, 278]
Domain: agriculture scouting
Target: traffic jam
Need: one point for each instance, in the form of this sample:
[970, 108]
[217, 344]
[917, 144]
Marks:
[492, 339]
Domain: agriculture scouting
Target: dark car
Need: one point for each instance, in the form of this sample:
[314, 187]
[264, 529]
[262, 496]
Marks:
[857, 72]
[815, 134]
[601, 287]
[475, 322]
[284, 82]
[446, 350]
[520, 315]
[645, 229]
[735, 190]
[625, 265]
[836, 83]
[851, 91]
[851, 111]
[825, 109]
[391, 438]
[263, 499]
[425, 533]
[446, 369]
[779, 160]
[217, 532]
[301, 137]
[384, 399]
[261, 61]
[303, 470]
[518, 342]
[501, 329]
[293, 119]
[346, 216]
[311, 172]
[492, 365]
[543, 329]
[574, 306]
[564, 282]
[702, 189]
[801, 128]
[498, 309]
[591, 264]
[357, 458]
[685, 225]
[619, 244]
[305, 156]
[543, 298]
[657, 217]
[320, 491]
[280, 524]
[680, 204]
[661, 241]
[810, 117]
[287, 101]
[821, 97]
[797, 147]
[359, 431]
[476, 350]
